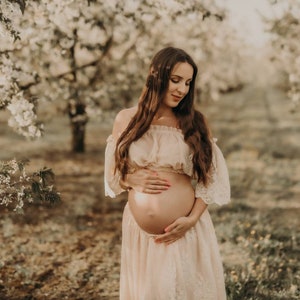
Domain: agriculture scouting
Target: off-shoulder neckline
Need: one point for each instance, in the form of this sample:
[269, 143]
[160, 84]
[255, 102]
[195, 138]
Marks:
[154, 127]
[165, 127]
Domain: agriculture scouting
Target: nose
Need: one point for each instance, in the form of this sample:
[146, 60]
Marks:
[182, 88]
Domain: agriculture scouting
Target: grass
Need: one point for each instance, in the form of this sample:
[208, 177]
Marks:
[270, 270]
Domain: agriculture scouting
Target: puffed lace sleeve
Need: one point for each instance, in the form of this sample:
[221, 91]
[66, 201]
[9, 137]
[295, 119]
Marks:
[218, 189]
[112, 187]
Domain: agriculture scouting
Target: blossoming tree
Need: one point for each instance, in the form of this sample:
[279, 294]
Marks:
[285, 30]
[18, 188]
[92, 56]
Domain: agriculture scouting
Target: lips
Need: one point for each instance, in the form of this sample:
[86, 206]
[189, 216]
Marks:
[177, 97]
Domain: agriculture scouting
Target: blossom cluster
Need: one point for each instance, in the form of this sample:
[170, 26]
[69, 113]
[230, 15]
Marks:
[285, 30]
[9, 14]
[112, 44]
[23, 117]
[18, 188]
[13, 182]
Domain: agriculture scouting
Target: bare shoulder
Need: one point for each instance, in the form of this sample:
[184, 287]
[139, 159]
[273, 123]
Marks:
[122, 120]
[125, 115]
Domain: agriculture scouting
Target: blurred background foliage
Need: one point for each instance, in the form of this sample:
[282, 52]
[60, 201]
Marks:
[84, 61]
[285, 33]
[91, 57]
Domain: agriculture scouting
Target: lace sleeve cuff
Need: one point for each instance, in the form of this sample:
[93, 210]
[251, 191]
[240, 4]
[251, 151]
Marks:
[112, 186]
[218, 189]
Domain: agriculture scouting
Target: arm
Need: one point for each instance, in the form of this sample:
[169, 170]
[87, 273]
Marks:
[197, 210]
[142, 180]
[112, 184]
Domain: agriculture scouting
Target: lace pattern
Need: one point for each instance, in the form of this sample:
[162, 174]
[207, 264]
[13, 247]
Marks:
[160, 147]
[163, 148]
[218, 189]
[112, 187]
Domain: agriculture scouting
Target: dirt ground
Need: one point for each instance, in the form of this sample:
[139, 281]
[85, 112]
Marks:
[71, 250]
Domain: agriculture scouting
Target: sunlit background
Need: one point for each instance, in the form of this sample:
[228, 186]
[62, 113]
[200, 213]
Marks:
[68, 66]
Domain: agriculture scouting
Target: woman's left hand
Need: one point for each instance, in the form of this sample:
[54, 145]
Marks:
[175, 231]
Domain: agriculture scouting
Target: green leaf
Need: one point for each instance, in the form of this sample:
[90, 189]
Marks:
[35, 186]
[47, 176]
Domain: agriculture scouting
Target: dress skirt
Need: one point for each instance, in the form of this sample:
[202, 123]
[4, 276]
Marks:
[188, 269]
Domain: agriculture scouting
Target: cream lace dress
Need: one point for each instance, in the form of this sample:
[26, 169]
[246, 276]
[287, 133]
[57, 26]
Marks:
[190, 268]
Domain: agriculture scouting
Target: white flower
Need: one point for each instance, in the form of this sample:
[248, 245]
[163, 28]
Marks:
[131, 6]
[23, 117]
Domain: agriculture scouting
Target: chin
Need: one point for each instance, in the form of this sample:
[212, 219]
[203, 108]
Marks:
[176, 103]
[173, 103]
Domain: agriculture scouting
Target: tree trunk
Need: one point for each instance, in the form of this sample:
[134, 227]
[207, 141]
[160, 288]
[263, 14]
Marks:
[78, 118]
[78, 135]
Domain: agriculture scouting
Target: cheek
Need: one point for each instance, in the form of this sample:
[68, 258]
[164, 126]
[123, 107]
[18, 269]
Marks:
[172, 87]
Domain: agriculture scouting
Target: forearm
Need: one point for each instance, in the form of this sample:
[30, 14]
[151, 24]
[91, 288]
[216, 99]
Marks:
[197, 210]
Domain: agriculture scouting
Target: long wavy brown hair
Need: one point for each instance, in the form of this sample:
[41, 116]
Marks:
[191, 121]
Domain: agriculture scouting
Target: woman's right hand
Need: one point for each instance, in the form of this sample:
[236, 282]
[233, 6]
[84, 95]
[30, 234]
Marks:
[147, 181]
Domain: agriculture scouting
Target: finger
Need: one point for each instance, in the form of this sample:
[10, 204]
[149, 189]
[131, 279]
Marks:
[166, 237]
[154, 192]
[158, 187]
[161, 184]
[150, 191]
[161, 238]
[151, 186]
[158, 180]
[171, 227]
[153, 175]
[160, 241]
[171, 242]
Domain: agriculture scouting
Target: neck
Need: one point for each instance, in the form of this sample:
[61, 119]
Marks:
[164, 112]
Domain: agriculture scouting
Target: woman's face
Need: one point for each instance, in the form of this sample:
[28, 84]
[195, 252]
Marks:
[179, 84]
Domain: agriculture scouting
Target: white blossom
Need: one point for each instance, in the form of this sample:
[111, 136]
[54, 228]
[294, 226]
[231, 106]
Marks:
[23, 117]
[137, 29]
[285, 30]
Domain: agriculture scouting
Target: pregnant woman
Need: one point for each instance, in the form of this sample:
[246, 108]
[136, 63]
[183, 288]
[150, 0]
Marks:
[161, 152]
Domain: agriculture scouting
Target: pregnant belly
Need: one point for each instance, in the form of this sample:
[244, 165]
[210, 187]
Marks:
[154, 212]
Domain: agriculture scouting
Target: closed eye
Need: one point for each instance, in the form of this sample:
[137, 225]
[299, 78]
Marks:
[176, 80]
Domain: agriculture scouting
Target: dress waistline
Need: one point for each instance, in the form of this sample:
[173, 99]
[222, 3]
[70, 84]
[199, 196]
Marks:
[157, 169]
